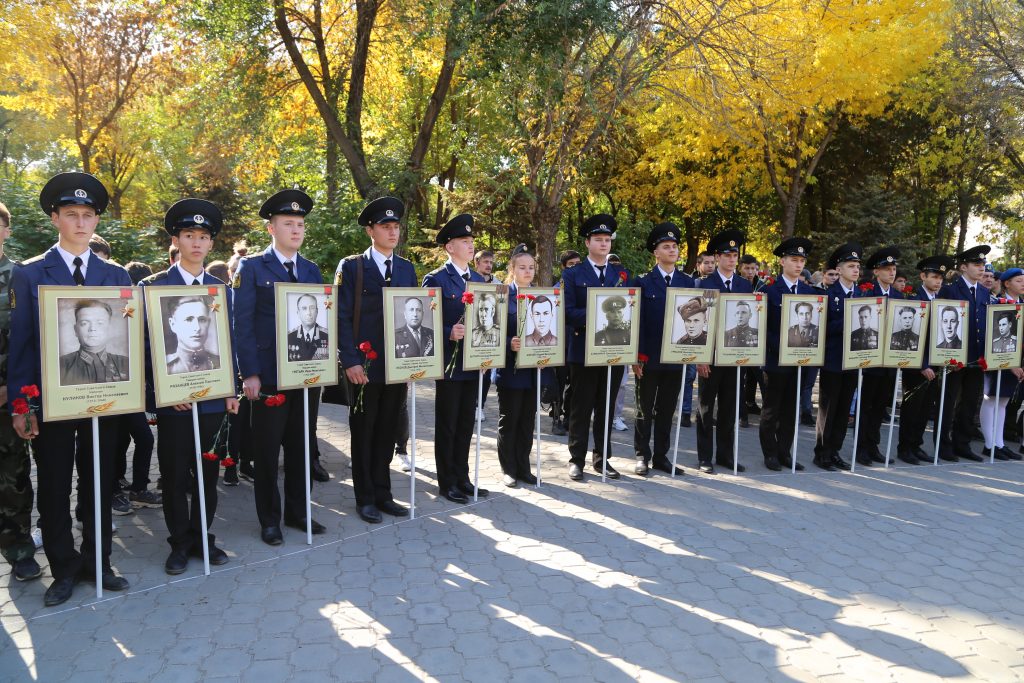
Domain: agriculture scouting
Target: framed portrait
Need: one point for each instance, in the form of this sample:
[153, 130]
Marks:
[946, 339]
[189, 343]
[1002, 336]
[92, 353]
[413, 330]
[688, 333]
[863, 320]
[801, 340]
[906, 334]
[540, 328]
[486, 319]
[740, 338]
[307, 335]
[613, 326]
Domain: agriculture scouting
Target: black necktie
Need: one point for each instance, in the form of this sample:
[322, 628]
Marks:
[972, 293]
[601, 274]
[79, 278]
[465, 276]
[291, 271]
[668, 280]
[728, 285]
[793, 289]
[387, 271]
[196, 281]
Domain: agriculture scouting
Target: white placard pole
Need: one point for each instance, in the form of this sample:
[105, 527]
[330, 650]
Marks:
[538, 427]
[736, 427]
[938, 421]
[796, 420]
[201, 483]
[856, 419]
[995, 414]
[679, 418]
[607, 438]
[97, 520]
[305, 443]
[412, 454]
[479, 426]
[892, 415]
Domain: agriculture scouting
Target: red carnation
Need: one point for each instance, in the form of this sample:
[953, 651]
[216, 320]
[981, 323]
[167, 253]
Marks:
[867, 287]
[365, 346]
[908, 290]
[467, 297]
[30, 391]
[371, 355]
[622, 275]
[531, 297]
[982, 363]
[209, 456]
[19, 406]
[228, 462]
[520, 297]
[643, 357]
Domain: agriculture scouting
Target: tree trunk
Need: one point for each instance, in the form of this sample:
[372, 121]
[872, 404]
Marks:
[940, 228]
[790, 209]
[545, 220]
[963, 200]
[331, 175]
[692, 244]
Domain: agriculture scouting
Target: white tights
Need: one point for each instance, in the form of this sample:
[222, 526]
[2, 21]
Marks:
[992, 406]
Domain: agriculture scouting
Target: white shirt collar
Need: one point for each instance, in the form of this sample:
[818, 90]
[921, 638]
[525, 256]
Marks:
[189, 277]
[789, 285]
[69, 257]
[968, 282]
[283, 260]
[929, 294]
[457, 269]
[885, 290]
[665, 274]
[595, 266]
[379, 259]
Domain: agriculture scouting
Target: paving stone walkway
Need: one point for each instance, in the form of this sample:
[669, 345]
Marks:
[907, 574]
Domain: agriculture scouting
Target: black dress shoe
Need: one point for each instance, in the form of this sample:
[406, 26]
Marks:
[877, 456]
[772, 463]
[787, 463]
[217, 556]
[455, 495]
[527, 478]
[317, 471]
[970, 455]
[1010, 454]
[557, 429]
[864, 459]
[919, 453]
[177, 562]
[612, 473]
[111, 581]
[838, 463]
[1002, 453]
[26, 569]
[467, 488]
[824, 463]
[908, 457]
[666, 467]
[947, 456]
[231, 476]
[59, 592]
[246, 471]
[753, 409]
[300, 524]
[392, 508]
[575, 472]
[727, 464]
[686, 421]
[271, 535]
[744, 422]
[370, 513]
[706, 467]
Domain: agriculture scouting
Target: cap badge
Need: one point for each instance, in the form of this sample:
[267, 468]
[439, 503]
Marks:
[942, 268]
[800, 250]
[602, 227]
[854, 254]
[732, 243]
[198, 219]
[389, 213]
[889, 259]
[295, 206]
[81, 194]
[671, 234]
[467, 228]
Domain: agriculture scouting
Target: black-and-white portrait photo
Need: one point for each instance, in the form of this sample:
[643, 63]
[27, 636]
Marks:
[307, 327]
[1004, 339]
[486, 329]
[906, 329]
[190, 337]
[691, 324]
[613, 321]
[865, 335]
[803, 333]
[740, 325]
[93, 342]
[412, 339]
[950, 335]
[541, 322]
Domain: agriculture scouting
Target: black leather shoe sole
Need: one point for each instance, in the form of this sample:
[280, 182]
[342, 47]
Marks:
[728, 466]
[773, 464]
[318, 473]
[370, 514]
[217, 556]
[467, 489]
[176, 563]
[394, 509]
[271, 535]
[575, 472]
[824, 464]
[611, 473]
[456, 496]
[59, 592]
[111, 581]
[300, 524]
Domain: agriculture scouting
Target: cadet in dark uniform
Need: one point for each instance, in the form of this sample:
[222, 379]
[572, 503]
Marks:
[616, 332]
[778, 413]
[254, 325]
[588, 399]
[657, 384]
[878, 383]
[308, 341]
[716, 430]
[965, 386]
[455, 402]
[835, 392]
[74, 202]
[15, 465]
[921, 402]
[193, 224]
[361, 279]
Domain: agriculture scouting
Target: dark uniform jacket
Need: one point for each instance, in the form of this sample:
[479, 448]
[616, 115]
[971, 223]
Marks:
[575, 281]
[452, 287]
[46, 269]
[253, 324]
[371, 312]
[654, 294]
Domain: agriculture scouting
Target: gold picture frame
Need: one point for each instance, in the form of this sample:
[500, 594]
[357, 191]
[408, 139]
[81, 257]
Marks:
[1002, 341]
[906, 333]
[412, 350]
[540, 323]
[613, 326]
[863, 320]
[688, 329]
[307, 335]
[483, 347]
[946, 340]
[802, 330]
[741, 329]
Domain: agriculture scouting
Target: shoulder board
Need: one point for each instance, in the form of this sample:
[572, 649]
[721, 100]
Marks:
[154, 278]
[34, 259]
[217, 280]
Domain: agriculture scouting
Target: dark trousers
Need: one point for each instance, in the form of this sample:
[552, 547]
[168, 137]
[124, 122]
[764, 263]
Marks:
[716, 431]
[656, 395]
[272, 428]
[965, 418]
[15, 493]
[56, 460]
[134, 427]
[778, 414]
[920, 402]
[402, 426]
[565, 387]
[373, 428]
[517, 409]
[752, 379]
[454, 418]
[589, 399]
[176, 453]
[875, 397]
[834, 398]
[807, 379]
